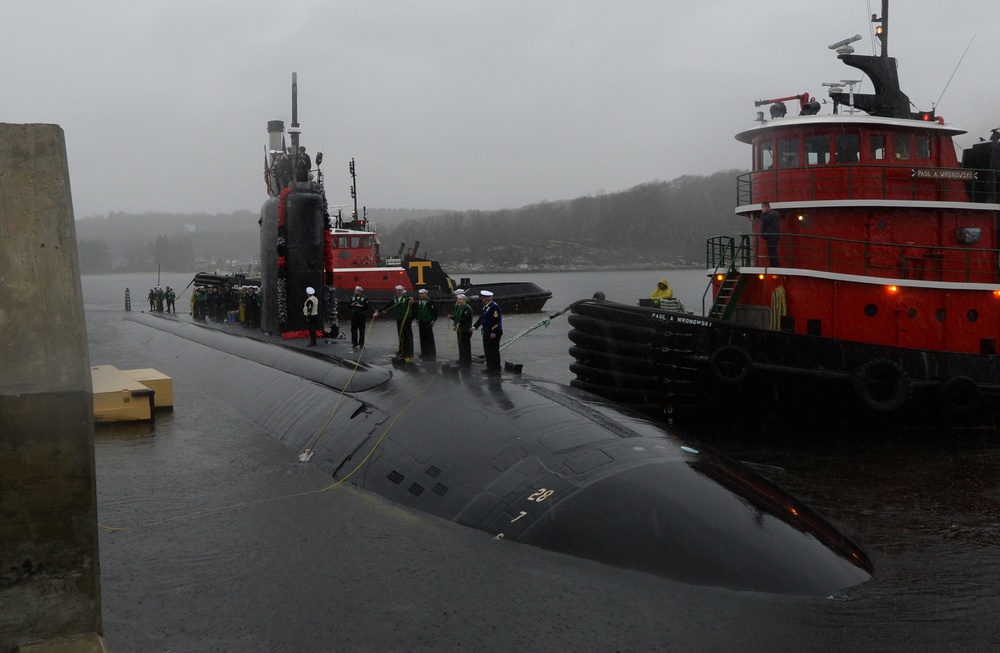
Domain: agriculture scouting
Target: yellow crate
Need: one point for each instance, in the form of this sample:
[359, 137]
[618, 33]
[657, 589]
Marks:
[157, 381]
[117, 396]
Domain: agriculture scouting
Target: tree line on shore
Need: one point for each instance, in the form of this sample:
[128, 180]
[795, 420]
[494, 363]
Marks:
[653, 225]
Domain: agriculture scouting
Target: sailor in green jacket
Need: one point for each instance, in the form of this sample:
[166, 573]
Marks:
[359, 306]
[461, 316]
[402, 307]
[426, 317]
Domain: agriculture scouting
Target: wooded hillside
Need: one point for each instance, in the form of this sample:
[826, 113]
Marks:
[658, 224]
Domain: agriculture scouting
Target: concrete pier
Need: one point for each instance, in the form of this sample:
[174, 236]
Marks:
[50, 597]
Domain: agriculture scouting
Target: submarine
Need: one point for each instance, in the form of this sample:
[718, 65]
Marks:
[520, 458]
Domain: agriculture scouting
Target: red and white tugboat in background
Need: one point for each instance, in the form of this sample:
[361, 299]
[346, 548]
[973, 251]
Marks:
[883, 307]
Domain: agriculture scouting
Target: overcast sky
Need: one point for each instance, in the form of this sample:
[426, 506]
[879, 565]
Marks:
[451, 104]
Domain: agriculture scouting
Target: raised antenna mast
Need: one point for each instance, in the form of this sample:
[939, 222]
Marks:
[294, 128]
[961, 59]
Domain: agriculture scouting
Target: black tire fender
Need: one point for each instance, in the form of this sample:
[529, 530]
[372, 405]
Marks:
[730, 364]
[882, 384]
[960, 393]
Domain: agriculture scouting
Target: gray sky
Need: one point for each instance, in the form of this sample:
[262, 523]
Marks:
[452, 104]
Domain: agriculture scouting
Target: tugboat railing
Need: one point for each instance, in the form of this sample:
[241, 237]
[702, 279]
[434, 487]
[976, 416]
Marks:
[861, 257]
[723, 252]
[867, 182]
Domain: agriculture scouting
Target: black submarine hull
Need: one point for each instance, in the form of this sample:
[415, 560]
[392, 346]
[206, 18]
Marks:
[522, 459]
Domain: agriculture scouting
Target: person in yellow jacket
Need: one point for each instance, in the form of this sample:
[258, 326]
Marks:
[662, 291]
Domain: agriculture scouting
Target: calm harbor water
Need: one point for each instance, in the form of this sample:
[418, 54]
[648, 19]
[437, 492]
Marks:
[346, 571]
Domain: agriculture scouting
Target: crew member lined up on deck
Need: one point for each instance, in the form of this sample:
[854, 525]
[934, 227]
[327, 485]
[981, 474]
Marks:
[491, 324]
[359, 306]
[462, 317]
[402, 307]
[281, 169]
[303, 164]
[426, 317]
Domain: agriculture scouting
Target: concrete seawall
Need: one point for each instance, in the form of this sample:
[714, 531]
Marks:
[50, 596]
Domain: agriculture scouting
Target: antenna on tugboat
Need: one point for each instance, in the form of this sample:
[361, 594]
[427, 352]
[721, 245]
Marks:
[960, 60]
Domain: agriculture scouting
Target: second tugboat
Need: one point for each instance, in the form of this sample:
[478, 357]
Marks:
[873, 301]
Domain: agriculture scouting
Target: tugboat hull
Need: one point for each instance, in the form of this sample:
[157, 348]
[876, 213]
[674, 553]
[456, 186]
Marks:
[696, 371]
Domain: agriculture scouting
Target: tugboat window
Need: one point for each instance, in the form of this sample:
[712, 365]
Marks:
[765, 156]
[848, 148]
[788, 153]
[972, 315]
[941, 315]
[901, 147]
[876, 145]
[923, 148]
[911, 313]
[871, 310]
[817, 150]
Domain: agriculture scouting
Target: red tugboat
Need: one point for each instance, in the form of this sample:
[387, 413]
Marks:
[357, 260]
[882, 307]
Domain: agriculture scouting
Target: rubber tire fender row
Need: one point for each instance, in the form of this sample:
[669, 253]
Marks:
[612, 378]
[611, 361]
[614, 330]
[595, 342]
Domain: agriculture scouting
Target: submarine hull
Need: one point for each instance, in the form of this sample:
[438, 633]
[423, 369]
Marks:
[521, 459]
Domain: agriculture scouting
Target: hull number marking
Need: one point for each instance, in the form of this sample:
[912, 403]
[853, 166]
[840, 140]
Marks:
[540, 495]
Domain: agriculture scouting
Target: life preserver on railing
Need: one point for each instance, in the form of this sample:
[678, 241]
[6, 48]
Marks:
[882, 384]
[960, 393]
[730, 364]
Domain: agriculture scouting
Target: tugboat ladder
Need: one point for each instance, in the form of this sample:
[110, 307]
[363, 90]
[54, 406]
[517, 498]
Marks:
[728, 296]
[723, 252]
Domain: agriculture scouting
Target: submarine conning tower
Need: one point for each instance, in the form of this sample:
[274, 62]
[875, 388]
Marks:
[295, 238]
